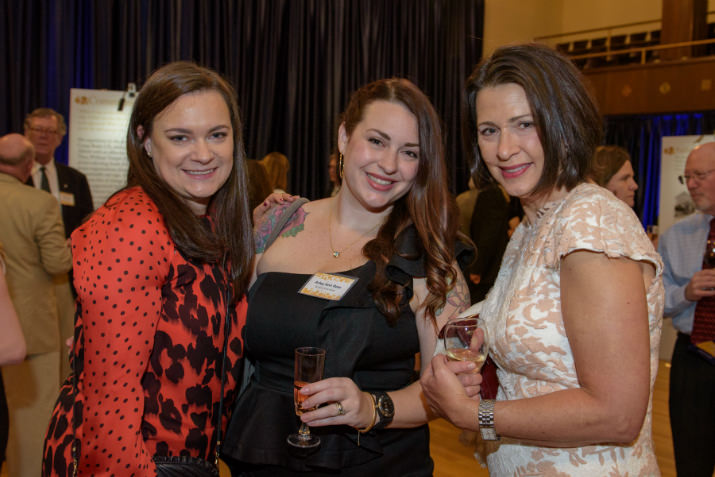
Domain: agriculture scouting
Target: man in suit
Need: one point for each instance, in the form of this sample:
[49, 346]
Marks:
[32, 234]
[689, 282]
[45, 128]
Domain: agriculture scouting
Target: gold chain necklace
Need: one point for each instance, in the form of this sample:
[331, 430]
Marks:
[336, 253]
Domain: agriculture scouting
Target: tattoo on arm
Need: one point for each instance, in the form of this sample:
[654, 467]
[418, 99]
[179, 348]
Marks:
[295, 224]
[457, 297]
[263, 229]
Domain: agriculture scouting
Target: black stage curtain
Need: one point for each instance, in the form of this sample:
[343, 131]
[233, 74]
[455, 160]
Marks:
[293, 62]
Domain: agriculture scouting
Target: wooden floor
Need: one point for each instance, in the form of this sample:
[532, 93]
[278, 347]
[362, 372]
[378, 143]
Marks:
[454, 459]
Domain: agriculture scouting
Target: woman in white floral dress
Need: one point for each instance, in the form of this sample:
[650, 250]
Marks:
[574, 318]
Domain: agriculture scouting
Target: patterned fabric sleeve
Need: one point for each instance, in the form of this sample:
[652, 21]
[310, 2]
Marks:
[121, 262]
[593, 220]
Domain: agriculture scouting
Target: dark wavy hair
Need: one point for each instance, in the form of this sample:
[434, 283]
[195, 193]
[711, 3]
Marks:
[565, 114]
[607, 160]
[231, 243]
[428, 205]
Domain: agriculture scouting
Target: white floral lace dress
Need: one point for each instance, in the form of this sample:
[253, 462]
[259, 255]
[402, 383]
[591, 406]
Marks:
[527, 336]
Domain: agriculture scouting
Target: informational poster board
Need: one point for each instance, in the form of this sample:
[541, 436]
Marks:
[98, 137]
[675, 203]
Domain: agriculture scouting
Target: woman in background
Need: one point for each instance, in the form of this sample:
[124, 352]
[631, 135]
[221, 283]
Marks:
[160, 270]
[335, 181]
[574, 318]
[277, 167]
[390, 232]
[612, 169]
[259, 187]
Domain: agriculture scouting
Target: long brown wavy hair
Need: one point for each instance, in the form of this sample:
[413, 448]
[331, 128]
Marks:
[428, 205]
[231, 243]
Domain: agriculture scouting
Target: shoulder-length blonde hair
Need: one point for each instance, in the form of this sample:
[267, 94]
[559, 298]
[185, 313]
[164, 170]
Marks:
[277, 166]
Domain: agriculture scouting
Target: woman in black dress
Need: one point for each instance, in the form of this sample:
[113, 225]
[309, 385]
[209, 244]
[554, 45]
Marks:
[390, 234]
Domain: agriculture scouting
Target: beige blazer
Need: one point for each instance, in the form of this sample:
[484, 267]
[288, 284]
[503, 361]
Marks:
[32, 234]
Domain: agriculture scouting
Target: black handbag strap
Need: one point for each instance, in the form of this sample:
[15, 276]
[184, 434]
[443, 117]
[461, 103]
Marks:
[226, 334]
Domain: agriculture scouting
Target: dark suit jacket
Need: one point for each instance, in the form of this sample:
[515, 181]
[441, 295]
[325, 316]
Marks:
[73, 182]
[489, 231]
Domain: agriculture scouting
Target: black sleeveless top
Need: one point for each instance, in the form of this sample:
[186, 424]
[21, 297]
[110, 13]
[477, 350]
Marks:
[360, 344]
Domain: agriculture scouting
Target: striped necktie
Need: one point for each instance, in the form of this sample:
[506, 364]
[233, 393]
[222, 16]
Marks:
[704, 319]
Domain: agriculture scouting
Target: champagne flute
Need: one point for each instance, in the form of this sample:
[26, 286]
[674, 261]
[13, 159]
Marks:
[309, 365]
[461, 338]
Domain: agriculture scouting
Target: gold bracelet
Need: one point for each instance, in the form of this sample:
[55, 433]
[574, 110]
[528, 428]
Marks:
[374, 416]
[374, 419]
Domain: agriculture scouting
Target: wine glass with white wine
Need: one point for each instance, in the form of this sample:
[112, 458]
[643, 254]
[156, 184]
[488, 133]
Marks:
[465, 340]
[309, 365]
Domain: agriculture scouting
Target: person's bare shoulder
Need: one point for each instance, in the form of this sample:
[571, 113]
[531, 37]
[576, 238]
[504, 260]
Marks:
[268, 222]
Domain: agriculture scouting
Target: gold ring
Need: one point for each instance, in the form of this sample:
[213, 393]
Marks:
[341, 411]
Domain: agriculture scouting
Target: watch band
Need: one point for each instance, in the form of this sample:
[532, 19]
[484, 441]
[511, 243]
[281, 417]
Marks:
[385, 408]
[486, 420]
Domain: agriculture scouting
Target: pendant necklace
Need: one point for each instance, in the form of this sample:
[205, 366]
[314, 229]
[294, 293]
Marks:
[336, 253]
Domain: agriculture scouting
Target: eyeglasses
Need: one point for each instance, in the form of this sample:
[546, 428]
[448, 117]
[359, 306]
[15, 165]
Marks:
[42, 130]
[697, 175]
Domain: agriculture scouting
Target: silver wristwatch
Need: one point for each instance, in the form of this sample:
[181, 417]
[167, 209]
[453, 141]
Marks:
[486, 420]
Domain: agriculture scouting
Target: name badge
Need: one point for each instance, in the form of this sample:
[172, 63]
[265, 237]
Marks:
[328, 286]
[67, 198]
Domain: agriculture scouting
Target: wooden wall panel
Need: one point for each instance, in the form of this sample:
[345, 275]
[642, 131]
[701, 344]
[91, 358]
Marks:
[655, 88]
[683, 20]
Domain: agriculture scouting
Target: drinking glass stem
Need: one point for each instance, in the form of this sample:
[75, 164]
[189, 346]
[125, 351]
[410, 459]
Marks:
[304, 430]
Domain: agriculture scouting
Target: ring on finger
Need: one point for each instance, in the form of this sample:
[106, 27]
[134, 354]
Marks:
[341, 411]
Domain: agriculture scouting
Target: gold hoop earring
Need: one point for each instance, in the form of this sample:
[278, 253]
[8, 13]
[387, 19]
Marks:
[340, 165]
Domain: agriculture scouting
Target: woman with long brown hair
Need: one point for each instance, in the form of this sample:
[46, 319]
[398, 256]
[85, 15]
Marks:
[386, 243]
[160, 270]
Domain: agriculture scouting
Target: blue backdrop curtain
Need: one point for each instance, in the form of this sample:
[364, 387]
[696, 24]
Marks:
[292, 62]
[641, 136]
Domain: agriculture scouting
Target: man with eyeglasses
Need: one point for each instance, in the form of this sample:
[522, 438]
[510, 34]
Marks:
[689, 279]
[45, 128]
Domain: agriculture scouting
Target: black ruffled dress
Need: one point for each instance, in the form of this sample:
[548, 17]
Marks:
[360, 344]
